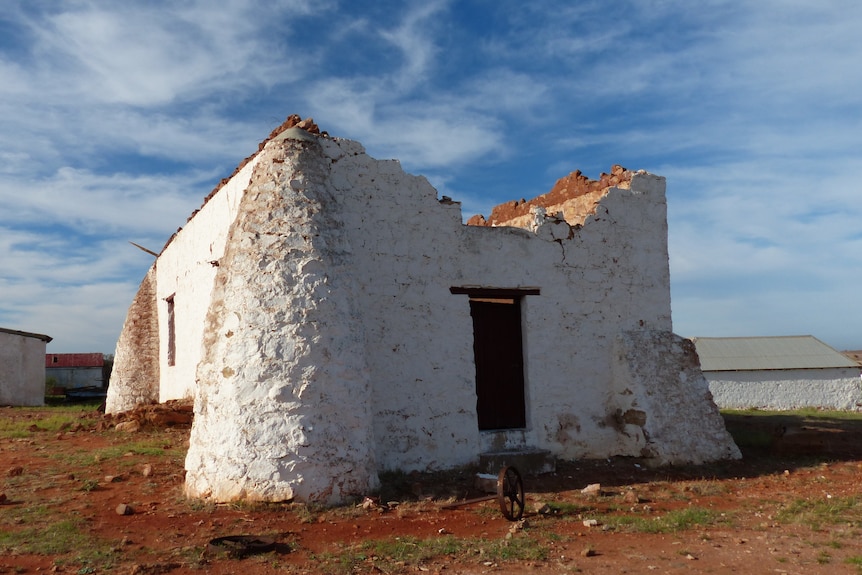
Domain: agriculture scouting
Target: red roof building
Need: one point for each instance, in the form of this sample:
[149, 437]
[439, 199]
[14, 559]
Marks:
[74, 360]
[73, 370]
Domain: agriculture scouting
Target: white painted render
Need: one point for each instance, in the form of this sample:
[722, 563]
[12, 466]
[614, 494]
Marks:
[22, 369]
[185, 270]
[326, 345]
[832, 388]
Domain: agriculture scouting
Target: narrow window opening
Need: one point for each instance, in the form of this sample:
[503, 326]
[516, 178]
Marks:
[172, 336]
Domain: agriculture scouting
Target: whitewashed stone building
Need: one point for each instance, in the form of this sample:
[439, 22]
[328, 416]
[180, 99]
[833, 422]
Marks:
[332, 318]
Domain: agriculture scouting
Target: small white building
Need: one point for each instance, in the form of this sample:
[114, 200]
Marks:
[22, 367]
[779, 373]
[333, 317]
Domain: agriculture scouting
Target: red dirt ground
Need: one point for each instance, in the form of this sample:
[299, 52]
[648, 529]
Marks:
[783, 509]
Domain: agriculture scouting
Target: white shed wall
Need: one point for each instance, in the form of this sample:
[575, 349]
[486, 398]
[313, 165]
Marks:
[835, 388]
[22, 370]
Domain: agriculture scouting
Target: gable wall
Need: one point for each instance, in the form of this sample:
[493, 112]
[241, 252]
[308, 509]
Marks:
[135, 373]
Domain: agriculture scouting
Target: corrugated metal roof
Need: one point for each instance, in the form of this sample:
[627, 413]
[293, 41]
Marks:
[758, 353]
[43, 337]
[74, 360]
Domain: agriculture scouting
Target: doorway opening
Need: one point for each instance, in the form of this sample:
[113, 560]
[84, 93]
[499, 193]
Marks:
[499, 356]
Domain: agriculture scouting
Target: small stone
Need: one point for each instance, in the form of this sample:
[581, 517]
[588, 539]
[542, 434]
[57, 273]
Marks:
[147, 470]
[543, 509]
[631, 497]
[113, 478]
[128, 426]
[123, 509]
[588, 552]
[485, 482]
[16, 471]
[592, 489]
[591, 523]
[2, 498]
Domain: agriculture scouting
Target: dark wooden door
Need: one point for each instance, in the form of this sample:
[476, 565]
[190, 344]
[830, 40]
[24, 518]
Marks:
[499, 364]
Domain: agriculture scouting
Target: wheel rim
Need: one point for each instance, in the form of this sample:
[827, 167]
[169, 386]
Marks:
[510, 493]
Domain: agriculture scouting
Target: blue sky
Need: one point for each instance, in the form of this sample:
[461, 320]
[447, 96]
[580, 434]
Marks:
[117, 118]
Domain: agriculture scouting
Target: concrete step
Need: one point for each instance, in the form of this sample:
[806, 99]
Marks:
[528, 461]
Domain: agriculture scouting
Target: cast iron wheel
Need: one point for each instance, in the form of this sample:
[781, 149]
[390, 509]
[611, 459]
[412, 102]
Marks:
[510, 493]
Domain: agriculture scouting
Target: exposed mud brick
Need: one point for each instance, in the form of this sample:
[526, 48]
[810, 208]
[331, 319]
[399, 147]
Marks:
[574, 196]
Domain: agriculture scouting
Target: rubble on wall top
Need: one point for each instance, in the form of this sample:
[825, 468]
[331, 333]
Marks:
[292, 121]
[572, 186]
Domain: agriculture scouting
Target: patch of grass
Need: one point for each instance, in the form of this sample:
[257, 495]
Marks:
[670, 522]
[307, 512]
[567, 508]
[89, 485]
[52, 539]
[83, 457]
[705, 488]
[751, 437]
[199, 505]
[855, 560]
[819, 512]
[806, 413]
[394, 555]
[823, 558]
[34, 531]
[61, 418]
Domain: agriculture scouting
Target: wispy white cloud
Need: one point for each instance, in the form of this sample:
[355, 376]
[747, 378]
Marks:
[411, 37]
[151, 54]
[93, 203]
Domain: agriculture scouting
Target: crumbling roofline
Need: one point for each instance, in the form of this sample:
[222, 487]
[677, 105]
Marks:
[292, 121]
[565, 191]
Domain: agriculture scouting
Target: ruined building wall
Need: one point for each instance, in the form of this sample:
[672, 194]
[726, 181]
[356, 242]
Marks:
[574, 197]
[135, 374]
[283, 407]
[331, 346]
[407, 251]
